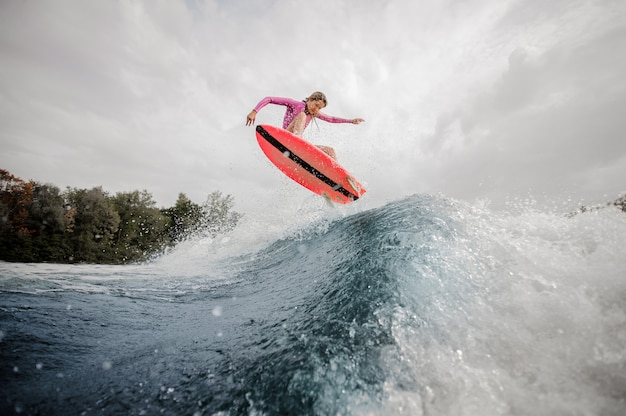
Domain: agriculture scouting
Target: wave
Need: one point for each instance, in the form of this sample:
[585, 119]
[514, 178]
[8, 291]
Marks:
[429, 306]
[425, 305]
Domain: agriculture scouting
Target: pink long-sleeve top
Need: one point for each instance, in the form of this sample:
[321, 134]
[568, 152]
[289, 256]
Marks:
[294, 108]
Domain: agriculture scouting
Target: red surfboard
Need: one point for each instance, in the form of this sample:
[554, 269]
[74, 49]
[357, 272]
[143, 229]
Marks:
[308, 165]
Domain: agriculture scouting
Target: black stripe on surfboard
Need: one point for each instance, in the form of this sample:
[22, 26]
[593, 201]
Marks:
[297, 159]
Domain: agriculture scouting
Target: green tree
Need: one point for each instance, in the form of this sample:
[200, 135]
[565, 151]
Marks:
[185, 218]
[95, 223]
[40, 223]
[218, 214]
[49, 221]
[142, 229]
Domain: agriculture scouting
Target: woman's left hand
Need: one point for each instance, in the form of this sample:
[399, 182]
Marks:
[357, 120]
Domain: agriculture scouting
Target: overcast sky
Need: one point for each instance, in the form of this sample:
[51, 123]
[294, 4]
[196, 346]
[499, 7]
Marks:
[484, 99]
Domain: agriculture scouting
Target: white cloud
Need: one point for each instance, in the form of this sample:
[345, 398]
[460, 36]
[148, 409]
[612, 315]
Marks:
[471, 99]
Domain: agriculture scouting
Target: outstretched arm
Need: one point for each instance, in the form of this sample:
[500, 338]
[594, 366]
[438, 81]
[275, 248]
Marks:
[332, 119]
[265, 101]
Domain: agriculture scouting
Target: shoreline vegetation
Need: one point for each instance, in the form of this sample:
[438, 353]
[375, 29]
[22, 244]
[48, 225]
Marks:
[619, 203]
[41, 223]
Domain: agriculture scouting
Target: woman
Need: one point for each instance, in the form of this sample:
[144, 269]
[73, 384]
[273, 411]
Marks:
[300, 113]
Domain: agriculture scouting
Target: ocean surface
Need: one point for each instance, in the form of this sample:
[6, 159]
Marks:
[423, 306]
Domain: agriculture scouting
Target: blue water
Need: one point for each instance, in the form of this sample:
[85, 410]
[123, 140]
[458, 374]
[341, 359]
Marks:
[424, 306]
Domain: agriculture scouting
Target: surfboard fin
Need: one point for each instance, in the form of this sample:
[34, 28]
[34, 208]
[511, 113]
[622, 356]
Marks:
[353, 185]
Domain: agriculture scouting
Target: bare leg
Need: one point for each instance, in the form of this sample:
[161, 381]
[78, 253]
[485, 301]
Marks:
[297, 127]
[328, 150]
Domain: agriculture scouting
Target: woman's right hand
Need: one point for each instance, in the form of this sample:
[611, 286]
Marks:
[251, 117]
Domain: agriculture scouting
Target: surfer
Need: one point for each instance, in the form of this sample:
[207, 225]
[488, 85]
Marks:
[300, 113]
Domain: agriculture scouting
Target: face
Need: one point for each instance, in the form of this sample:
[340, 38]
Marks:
[314, 106]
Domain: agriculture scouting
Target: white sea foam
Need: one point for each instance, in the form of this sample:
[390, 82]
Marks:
[542, 329]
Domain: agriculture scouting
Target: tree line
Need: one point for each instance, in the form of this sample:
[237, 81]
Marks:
[41, 223]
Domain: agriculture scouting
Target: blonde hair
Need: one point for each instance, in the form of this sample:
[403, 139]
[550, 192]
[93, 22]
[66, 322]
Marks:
[318, 96]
